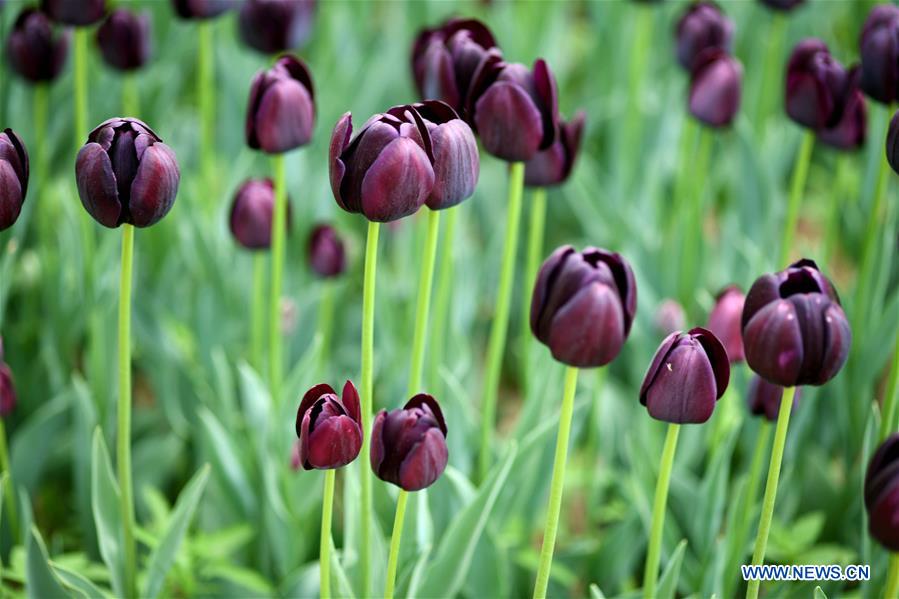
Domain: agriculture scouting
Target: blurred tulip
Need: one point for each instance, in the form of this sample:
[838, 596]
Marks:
[669, 317]
[701, 27]
[125, 174]
[783, 5]
[13, 177]
[295, 461]
[75, 12]
[202, 9]
[272, 26]
[408, 446]
[764, 398]
[892, 145]
[7, 391]
[329, 427]
[879, 48]
[688, 375]
[882, 494]
[724, 321]
[281, 108]
[850, 128]
[125, 39]
[583, 305]
[326, 253]
[456, 163]
[553, 165]
[251, 214]
[794, 330]
[34, 51]
[715, 88]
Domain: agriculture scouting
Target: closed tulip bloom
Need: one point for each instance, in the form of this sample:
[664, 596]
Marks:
[408, 446]
[202, 9]
[125, 174]
[688, 375]
[882, 494]
[272, 26]
[583, 305]
[124, 39]
[455, 150]
[764, 398]
[669, 317]
[715, 88]
[553, 165]
[794, 330]
[13, 177]
[782, 5]
[326, 253]
[892, 145]
[281, 108]
[34, 50]
[724, 321]
[329, 427]
[251, 214]
[701, 27]
[75, 12]
[879, 48]
[850, 126]
[7, 391]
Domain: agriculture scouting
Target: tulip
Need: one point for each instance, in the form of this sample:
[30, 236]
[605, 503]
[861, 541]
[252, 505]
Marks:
[849, 129]
[8, 403]
[201, 9]
[892, 144]
[75, 12]
[583, 305]
[882, 494]
[272, 26]
[326, 252]
[328, 427]
[7, 389]
[13, 177]
[281, 108]
[782, 5]
[408, 446]
[124, 39]
[879, 49]
[553, 165]
[35, 52]
[702, 26]
[715, 83]
[295, 461]
[251, 214]
[764, 398]
[455, 154]
[669, 317]
[724, 321]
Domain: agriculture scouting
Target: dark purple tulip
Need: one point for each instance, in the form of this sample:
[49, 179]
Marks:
[783, 5]
[202, 9]
[688, 375]
[444, 60]
[75, 12]
[408, 446]
[281, 109]
[764, 398]
[13, 177]
[724, 321]
[326, 253]
[125, 39]
[879, 48]
[851, 125]
[7, 390]
[882, 494]
[794, 330]
[892, 145]
[701, 27]
[34, 51]
[272, 26]
[125, 174]
[583, 305]
[329, 427]
[251, 214]
[553, 165]
[715, 88]
[455, 150]
[669, 317]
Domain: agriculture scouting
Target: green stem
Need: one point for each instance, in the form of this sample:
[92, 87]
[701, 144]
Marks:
[9, 492]
[123, 453]
[797, 186]
[324, 554]
[80, 58]
[772, 70]
[130, 96]
[206, 96]
[441, 300]
[325, 322]
[891, 396]
[777, 454]
[654, 553]
[368, 338]
[642, 41]
[891, 588]
[257, 311]
[536, 227]
[500, 326]
[41, 91]
[394, 556]
[279, 220]
[831, 234]
[425, 282]
[557, 485]
[693, 218]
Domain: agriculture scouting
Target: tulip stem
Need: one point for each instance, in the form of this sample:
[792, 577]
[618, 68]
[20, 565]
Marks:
[130, 96]
[123, 457]
[535, 250]
[368, 338]
[9, 492]
[279, 220]
[80, 83]
[442, 297]
[642, 41]
[205, 95]
[891, 588]
[844, 166]
[557, 485]
[772, 68]
[325, 322]
[693, 215]
[654, 553]
[891, 396]
[425, 282]
[797, 186]
[394, 556]
[500, 326]
[324, 554]
[257, 311]
[777, 453]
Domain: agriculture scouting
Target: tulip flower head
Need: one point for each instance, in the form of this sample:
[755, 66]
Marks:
[583, 305]
[271, 26]
[7, 389]
[13, 177]
[688, 375]
[715, 88]
[251, 214]
[764, 398]
[329, 427]
[281, 108]
[35, 51]
[124, 39]
[455, 151]
[892, 144]
[125, 174]
[75, 12]
[201, 9]
[554, 165]
[782, 5]
[408, 446]
[326, 253]
[724, 321]
[879, 49]
[794, 330]
[702, 26]
[669, 317]
[882, 494]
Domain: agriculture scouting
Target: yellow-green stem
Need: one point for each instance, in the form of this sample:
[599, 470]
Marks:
[257, 311]
[534, 252]
[797, 186]
[9, 492]
[123, 453]
[639, 55]
[394, 556]
[324, 554]
[693, 215]
[425, 282]
[279, 230]
[891, 588]
[206, 96]
[773, 69]
[80, 82]
[130, 96]
[325, 322]
[831, 234]
[891, 396]
[654, 552]
[442, 296]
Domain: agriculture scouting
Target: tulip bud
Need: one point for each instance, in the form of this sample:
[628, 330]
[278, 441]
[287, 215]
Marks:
[783, 5]
[583, 305]
[879, 48]
[688, 375]
[882, 494]
[326, 253]
[281, 109]
[408, 446]
[34, 51]
[724, 321]
[74, 12]
[125, 174]
[794, 330]
[251, 214]
[13, 177]
[669, 317]
[701, 27]
[892, 149]
[329, 427]
[201, 9]
[124, 39]
[7, 391]
[455, 150]
[849, 129]
[715, 84]
[764, 398]
[272, 26]
[553, 165]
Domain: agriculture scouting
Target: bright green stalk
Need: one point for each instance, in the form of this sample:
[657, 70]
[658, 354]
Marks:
[773, 68]
[654, 553]
[557, 485]
[257, 311]
[425, 282]
[9, 491]
[844, 166]
[891, 589]
[123, 453]
[777, 454]
[80, 58]
[41, 91]
[797, 186]
[325, 322]
[279, 226]
[130, 96]
[442, 299]
[206, 95]
[891, 396]
[693, 214]
[324, 553]
[500, 325]
[535, 250]
[639, 55]
[394, 556]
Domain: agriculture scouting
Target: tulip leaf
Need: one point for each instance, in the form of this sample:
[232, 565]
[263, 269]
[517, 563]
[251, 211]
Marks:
[668, 581]
[226, 461]
[596, 592]
[819, 593]
[40, 581]
[79, 583]
[107, 514]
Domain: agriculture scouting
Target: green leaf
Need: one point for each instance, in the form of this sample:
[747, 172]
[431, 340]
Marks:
[819, 593]
[224, 452]
[40, 582]
[107, 517]
[164, 554]
[245, 578]
[668, 581]
[596, 592]
[79, 583]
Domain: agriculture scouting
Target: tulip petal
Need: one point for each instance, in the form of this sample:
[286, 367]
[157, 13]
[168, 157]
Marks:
[155, 186]
[333, 442]
[309, 399]
[377, 442]
[285, 117]
[773, 343]
[684, 388]
[883, 518]
[350, 399]
[717, 356]
[425, 400]
[97, 185]
[765, 290]
[456, 164]
[398, 181]
[547, 92]
[657, 360]
[424, 463]
[588, 331]
[838, 338]
[509, 123]
[340, 139]
[11, 196]
[545, 280]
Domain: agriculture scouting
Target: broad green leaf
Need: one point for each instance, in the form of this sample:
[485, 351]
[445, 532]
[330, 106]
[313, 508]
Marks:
[107, 517]
[79, 583]
[226, 458]
[40, 582]
[668, 581]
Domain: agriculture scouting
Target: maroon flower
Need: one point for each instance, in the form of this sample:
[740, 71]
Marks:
[724, 321]
[456, 163]
[329, 427]
[281, 108]
[879, 48]
[892, 144]
[201, 9]
[124, 39]
[702, 26]
[669, 317]
[34, 50]
[764, 398]
[715, 88]
[553, 165]
[782, 5]
[882, 493]
[272, 26]
[252, 214]
[7, 389]
[326, 253]
[75, 12]
[13, 177]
